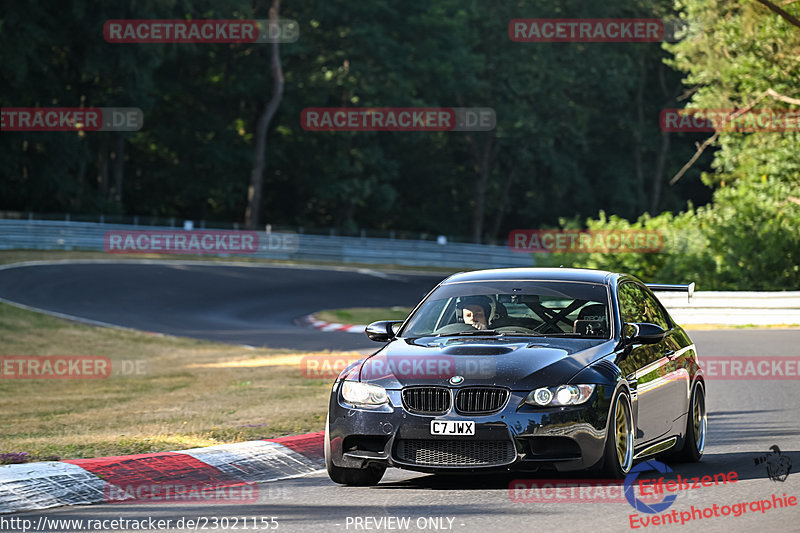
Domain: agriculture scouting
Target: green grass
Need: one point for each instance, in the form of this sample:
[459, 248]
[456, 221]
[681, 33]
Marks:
[193, 393]
[18, 256]
[362, 315]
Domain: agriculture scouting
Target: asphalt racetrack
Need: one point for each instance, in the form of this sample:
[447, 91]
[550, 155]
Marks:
[253, 305]
[746, 417]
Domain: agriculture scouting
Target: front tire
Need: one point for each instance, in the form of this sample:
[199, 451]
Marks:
[696, 427]
[618, 456]
[360, 477]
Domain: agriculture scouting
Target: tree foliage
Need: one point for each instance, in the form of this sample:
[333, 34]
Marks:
[749, 236]
[577, 126]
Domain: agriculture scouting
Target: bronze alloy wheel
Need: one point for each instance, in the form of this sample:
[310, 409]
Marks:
[623, 433]
[694, 441]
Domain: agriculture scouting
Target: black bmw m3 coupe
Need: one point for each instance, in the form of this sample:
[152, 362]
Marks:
[521, 369]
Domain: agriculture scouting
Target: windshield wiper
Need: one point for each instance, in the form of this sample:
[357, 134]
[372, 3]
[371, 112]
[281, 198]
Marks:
[495, 333]
[539, 334]
[569, 334]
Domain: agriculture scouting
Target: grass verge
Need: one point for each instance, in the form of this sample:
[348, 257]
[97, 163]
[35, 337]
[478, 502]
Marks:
[362, 315]
[18, 256]
[185, 393]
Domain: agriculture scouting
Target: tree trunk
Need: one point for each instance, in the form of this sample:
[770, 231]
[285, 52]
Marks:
[483, 153]
[102, 168]
[658, 175]
[252, 217]
[638, 135]
[661, 161]
[501, 208]
[81, 187]
[118, 169]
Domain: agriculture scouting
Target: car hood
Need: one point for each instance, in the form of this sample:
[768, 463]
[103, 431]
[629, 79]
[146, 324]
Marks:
[517, 363]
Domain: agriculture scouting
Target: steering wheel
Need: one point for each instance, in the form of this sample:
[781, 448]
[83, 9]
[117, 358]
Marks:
[456, 327]
[515, 329]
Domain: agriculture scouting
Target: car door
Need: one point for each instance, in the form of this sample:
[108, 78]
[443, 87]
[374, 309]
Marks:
[676, 380]
[648, 364]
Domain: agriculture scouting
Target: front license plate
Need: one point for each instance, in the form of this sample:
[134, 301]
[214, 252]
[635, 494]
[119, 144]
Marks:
[452, 427]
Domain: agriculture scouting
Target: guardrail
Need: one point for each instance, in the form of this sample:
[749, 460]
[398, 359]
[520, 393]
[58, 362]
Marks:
[733, 308]
[730, 308]
[70, 235]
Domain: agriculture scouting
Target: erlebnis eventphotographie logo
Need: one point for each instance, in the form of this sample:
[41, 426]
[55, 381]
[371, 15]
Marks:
[778, 465]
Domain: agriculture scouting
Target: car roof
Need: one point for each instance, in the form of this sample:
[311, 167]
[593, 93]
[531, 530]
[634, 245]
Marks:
[538, 274]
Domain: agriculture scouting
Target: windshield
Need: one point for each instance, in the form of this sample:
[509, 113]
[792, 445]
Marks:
[526, 308]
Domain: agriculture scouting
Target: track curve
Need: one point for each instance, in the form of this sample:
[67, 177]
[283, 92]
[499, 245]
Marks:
[241, 304]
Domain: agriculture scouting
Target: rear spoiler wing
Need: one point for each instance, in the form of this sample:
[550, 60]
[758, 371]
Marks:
[656, 287]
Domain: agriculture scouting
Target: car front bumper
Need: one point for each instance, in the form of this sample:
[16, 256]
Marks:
[517, 437]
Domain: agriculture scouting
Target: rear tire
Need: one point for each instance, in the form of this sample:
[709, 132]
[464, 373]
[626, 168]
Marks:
[696, 427]
[360, 477]
[618, 456]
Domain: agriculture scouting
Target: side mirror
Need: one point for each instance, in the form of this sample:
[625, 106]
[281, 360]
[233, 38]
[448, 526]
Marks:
[382, 331]
[644, 333]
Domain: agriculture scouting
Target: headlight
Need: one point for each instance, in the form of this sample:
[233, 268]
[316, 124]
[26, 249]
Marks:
[563, 395]
[359, 393]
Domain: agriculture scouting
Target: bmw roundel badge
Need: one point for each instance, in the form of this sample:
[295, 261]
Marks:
[455, 380]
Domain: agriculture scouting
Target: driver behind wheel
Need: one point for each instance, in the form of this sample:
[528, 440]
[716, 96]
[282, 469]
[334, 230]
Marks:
[476, 312]
[475, 316]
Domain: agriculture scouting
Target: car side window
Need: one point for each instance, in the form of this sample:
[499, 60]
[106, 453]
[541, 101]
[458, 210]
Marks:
[638, 305]
[656, 312]
[631, 304]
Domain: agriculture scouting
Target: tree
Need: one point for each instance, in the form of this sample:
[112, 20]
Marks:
[252, 215]
[739, 55]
